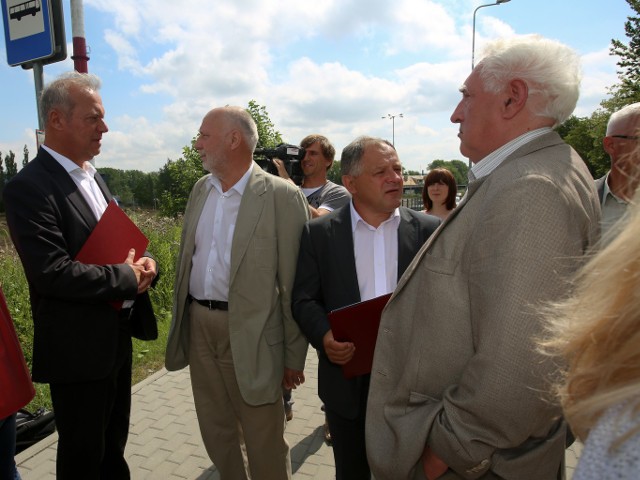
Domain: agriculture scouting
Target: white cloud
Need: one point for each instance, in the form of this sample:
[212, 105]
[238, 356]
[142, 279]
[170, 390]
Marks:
[332, 67]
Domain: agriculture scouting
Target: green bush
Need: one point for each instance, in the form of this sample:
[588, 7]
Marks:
[164, 241]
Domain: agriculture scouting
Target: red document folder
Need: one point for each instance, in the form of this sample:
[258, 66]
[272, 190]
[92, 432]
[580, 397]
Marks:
[111, 239]
[358, 323]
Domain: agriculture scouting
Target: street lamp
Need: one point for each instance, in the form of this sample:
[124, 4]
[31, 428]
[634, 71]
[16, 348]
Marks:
[473, 35]
[393, 122]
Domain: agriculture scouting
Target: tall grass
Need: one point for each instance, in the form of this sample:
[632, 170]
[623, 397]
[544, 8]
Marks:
[164, 240]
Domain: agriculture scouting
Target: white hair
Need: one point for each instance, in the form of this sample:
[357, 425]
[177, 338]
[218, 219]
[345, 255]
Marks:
[550, 69]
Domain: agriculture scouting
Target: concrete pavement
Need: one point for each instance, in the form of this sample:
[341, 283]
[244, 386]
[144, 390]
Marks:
[165, 443]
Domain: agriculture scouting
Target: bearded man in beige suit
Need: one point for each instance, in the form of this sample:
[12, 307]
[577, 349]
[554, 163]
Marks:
[458, 389]
[232, 321]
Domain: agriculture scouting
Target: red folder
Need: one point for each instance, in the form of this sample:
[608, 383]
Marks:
[358, 323]
[15, 381]
[111, 239]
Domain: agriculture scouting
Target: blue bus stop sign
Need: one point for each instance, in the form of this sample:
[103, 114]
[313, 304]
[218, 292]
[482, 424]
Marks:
[28, 30]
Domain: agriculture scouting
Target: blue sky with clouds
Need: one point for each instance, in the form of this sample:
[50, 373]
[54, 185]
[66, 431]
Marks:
[328, 66]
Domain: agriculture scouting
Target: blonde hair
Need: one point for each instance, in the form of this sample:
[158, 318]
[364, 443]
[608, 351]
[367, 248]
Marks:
[597, 331]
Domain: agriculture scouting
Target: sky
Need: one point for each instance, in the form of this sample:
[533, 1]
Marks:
[334, 67]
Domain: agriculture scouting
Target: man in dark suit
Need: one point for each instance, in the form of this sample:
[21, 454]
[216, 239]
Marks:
[82, 345]
[353, 254]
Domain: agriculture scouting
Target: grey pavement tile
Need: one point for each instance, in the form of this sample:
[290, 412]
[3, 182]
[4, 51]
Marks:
[165, 441]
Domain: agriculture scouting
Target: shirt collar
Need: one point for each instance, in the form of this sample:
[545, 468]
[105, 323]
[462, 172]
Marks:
[70, 165]
[607, 191]
[355, 218]
[492, 161]
[239, 186]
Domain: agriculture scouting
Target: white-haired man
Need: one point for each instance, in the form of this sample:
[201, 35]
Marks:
[457, 386]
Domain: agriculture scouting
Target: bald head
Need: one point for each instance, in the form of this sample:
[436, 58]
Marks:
[226, 140]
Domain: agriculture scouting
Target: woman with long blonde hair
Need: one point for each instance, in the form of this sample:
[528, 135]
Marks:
[597, 331]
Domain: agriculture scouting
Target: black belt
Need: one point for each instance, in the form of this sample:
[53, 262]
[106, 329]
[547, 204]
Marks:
[211, 304]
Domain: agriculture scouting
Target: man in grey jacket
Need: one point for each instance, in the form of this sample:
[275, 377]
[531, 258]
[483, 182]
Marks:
[458, 389]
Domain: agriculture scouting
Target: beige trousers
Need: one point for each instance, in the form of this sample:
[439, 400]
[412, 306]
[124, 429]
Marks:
[243, 441]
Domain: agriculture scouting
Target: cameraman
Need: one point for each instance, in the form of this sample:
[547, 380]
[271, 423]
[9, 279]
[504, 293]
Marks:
[323, 195]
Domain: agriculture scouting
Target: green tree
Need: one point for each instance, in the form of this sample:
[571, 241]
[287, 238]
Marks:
[628, 90]
[457, 167]
[2, 182]
[10, 165]
[334, 175]
[176, 179]
[268, 136]
[25, 156]
[585, 135]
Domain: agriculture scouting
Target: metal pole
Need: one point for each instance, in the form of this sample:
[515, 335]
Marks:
[393, 130]
[473, 34]
[79, 56]
[393, 126]
[38, 80]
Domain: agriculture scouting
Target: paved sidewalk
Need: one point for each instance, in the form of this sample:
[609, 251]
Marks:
[165, 443]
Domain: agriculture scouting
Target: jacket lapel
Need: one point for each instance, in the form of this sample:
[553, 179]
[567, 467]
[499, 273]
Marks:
[103, 187]
[249, 213]
[471, 190]
[342, 230]
[190, 223]
[407, 236]
[69, 188]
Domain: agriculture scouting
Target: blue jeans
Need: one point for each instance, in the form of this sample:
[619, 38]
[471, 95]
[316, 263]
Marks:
[8, 448]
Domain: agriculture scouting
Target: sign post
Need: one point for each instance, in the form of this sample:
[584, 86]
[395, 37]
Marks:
[34, 36]
[28, 30]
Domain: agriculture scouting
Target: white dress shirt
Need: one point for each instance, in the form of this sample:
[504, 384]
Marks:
[211, 261]
[84, 178]
[376, 254]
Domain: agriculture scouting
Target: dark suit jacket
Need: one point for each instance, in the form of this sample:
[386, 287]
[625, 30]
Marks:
[75, 328]
[326, 279]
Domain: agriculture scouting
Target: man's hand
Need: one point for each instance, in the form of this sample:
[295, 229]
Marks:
[282, 172]
[149, 273]
[338, 352]
[292, 378]
[144, 270]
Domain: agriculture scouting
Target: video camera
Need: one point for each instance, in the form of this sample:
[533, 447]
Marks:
[291, 156]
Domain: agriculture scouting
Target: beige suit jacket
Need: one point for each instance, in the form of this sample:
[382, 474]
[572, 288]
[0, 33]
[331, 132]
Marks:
[456, 365]
[264, 336]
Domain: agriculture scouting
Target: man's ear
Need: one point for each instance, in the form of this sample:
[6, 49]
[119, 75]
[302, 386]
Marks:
[516, 98]
[348, 183]
[609, 146]
[56, 119]
[235, 139]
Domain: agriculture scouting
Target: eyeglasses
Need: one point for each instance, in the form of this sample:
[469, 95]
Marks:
[628, 137]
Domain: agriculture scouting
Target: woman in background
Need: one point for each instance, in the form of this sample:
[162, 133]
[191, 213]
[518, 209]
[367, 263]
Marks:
[597, 331]
[439, 193]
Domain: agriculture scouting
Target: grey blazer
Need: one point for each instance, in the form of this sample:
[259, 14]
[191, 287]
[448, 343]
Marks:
[456, 365]
[264, 336]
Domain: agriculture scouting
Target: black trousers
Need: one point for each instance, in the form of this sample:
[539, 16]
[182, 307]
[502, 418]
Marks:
[347, 438]
[92, 419]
